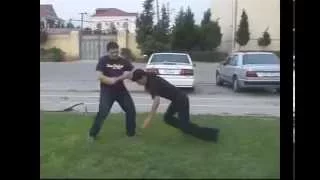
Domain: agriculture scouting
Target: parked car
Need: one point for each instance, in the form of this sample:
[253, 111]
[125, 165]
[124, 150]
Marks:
[176, 68]
[250, 70]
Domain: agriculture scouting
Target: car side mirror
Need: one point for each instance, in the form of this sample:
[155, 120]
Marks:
[224, 63]
[194, 65]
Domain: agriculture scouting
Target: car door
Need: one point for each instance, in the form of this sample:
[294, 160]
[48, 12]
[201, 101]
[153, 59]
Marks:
[229, 68]
[224, 68]
[232, 68]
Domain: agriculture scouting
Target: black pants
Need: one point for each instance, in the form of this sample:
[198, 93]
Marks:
[181, 106]
[107, 98]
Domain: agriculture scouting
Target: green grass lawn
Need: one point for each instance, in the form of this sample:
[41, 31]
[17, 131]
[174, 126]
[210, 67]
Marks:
[248, 147]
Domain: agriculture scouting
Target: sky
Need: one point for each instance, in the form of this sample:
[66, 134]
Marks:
[70, 9]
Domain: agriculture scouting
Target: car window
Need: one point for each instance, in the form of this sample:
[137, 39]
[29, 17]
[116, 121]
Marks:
[260, 59]
[170, 58]
[234, 60]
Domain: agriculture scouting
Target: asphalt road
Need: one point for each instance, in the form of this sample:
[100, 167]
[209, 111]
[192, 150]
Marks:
[64, 84]
[199, 104]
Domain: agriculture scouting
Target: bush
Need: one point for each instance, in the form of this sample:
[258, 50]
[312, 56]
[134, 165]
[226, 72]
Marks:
[208, 56]
[43, 36]
[127, 54]
[52, 54]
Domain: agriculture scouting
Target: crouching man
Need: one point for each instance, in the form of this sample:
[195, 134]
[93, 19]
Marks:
[158, 87]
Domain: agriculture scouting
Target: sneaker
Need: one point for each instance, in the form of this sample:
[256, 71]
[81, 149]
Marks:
[91, 139]
[216, 135]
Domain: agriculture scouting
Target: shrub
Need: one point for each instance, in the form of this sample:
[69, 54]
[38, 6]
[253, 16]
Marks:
[43, 36]
[52, 54]
[208, 56]
[127, 53]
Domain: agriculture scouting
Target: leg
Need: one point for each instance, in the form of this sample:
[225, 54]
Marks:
[125, 101]
[169, 116]
[105, 104]
[207, 134]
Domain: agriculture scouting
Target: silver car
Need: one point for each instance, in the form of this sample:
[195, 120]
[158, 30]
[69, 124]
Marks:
[250, 70]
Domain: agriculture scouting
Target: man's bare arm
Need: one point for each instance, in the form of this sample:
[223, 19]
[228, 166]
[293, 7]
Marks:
[154, 108]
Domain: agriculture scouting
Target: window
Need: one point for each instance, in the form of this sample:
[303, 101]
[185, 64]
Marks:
[260, 59]
[234, 60]
[170, 58]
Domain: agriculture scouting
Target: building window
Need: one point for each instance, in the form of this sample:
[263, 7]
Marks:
[99, 26]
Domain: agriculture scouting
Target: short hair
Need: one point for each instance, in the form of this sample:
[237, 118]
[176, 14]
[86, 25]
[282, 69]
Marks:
[112, 45]
[138, 74]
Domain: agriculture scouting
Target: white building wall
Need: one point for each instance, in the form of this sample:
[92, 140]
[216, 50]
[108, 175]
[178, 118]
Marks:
[262, 14]
[117, 20]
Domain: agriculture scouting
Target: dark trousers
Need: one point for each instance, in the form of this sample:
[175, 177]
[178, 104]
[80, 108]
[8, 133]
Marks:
[107, 98]
[181, 106]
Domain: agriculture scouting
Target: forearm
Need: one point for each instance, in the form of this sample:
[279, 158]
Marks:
[154, 108]
[106, 80]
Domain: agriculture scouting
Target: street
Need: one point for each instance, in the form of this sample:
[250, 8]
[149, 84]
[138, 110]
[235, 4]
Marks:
[66, 84]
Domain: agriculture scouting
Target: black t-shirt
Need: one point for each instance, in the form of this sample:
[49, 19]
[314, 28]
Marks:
[113, 68]
[158, 86]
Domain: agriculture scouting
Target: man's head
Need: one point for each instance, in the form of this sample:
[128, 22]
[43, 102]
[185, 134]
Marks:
[113, 50]
[139, 76]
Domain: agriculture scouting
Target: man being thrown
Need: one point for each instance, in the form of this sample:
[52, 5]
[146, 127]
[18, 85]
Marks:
[158, 87]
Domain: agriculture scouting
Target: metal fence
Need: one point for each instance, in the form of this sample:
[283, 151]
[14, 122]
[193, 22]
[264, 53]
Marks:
[94, 46]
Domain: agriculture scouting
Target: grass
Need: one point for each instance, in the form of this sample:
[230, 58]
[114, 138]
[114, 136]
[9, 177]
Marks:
[248, 147]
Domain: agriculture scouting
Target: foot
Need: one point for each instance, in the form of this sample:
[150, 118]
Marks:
[91, 139]
[215, 135]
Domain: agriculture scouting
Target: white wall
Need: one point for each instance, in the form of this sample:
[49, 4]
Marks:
[117, 20]
[261, 14]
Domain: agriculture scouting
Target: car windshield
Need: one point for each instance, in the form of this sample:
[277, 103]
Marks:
[260, 59]
[170, 58]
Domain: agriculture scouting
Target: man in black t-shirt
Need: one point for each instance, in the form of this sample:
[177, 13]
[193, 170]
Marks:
[159, 87]
[111, 71]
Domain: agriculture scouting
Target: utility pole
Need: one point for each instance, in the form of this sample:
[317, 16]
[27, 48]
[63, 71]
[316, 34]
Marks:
[82, 14]
[80, 34]
[158, 15]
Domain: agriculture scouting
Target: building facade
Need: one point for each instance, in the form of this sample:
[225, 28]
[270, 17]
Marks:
[48, 17]
[262, 15]
[108, 18]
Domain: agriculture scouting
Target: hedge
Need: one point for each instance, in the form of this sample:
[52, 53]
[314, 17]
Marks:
[51, 55]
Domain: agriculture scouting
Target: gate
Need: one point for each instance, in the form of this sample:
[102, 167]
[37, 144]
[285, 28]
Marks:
[90, 45]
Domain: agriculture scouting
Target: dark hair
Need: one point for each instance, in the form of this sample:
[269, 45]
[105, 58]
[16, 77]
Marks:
[112, 45]
[138, 74]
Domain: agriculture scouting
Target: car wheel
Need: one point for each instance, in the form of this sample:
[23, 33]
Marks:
[219, 81]
[235, 85]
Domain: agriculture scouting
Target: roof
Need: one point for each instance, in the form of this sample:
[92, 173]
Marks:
[46, 10]
[112, 12]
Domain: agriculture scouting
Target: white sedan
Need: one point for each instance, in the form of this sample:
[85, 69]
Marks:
[176, 68]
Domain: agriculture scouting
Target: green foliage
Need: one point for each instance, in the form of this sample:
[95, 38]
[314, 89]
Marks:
[127, 54]
[207, 56]
[161, 32]
[210, 33]
[265, 40]
[243, 34]
[185, 35]
[70, 25]
[52, 54]
[144, 24]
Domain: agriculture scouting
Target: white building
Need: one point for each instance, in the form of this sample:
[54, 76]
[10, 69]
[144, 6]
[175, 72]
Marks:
[262, 15]
[108, 17]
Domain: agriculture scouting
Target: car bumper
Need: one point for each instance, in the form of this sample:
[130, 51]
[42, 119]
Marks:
[180, 81]
[259, 83]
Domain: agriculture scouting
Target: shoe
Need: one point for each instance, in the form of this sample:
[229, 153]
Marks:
[91, 139]
[215, 135]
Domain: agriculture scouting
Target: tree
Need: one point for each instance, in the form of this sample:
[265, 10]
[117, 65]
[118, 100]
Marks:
[161, 32]
[70, 25]
[185, 32]
[144, 24]
[210, 33]
[243, 34]
[206, 17]
[265, 40]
